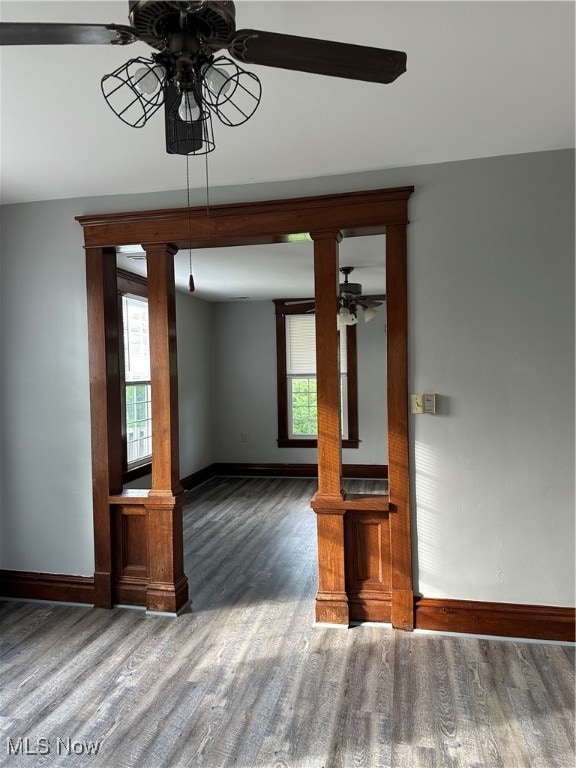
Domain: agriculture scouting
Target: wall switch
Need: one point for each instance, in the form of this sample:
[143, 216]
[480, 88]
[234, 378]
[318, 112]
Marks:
[417, 403]
[244, 437]
[424, 402]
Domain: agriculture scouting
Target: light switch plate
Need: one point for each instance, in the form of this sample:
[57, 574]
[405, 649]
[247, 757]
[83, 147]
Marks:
[417, 403]
[424, 402]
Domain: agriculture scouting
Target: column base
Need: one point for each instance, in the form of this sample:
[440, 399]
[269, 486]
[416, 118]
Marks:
[332, 608]
[162, 597]
[402, 611]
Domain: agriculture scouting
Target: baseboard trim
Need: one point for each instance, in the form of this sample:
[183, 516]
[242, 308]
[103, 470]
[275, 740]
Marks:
[55, 587]
[538, 622]
[197, 478]
[258, 469]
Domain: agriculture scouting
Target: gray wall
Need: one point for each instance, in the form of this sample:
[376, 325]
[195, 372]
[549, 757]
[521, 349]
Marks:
[46, 493]
[194, 329]
[491, 311]
[245, 388]
[491, 291]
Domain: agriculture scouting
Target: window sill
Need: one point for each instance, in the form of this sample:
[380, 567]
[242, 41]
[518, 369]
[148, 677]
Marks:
[297, 442]
[135, 473]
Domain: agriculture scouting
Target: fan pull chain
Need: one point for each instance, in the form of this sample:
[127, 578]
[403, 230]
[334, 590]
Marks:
[191, 286]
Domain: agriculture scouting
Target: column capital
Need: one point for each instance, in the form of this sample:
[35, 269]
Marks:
[326, 234]
[168, 248]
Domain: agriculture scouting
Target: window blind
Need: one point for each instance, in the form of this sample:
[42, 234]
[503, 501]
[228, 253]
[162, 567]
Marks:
[301, 346]
[136, 344]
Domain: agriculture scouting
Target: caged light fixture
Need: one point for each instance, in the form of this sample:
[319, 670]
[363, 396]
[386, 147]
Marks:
[192, 88]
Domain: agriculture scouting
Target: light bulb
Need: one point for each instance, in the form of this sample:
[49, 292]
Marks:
[147, 80]
[217, 80]
[369, 314]
[346, 316]
[189, 111]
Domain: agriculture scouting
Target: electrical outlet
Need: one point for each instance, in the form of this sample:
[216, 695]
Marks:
[244, 437]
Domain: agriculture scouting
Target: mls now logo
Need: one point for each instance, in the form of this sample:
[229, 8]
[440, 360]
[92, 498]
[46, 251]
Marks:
[43, 746]
[28, 746]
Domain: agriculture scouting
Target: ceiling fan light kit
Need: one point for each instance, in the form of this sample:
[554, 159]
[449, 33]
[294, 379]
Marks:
[187, 136]
[369, 314]
[346, 316]
[187, 36]
[135, 91]
[230, 91]
[350, 301]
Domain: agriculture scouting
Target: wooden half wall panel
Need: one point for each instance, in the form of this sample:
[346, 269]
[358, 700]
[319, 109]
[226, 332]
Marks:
[367, 557]
[130, 577]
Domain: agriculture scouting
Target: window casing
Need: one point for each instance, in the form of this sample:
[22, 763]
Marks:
[296, 378]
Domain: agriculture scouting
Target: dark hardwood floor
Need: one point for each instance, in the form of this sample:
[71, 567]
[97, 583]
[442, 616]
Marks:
[246, 680]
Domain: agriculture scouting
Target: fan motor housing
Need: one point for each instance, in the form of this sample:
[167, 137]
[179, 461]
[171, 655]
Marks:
[214, 21]
[354, 289]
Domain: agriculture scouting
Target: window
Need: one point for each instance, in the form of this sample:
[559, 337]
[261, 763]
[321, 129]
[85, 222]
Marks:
[137, 390]
[297, 390]
[135, 375]
[301, 377]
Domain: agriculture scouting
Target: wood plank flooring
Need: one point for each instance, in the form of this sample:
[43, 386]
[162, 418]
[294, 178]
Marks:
[246, 680]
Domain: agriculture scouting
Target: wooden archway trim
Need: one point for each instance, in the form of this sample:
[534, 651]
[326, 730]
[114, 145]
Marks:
[346, 524]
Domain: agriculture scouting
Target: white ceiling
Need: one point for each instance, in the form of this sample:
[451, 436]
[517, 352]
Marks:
[483, 79]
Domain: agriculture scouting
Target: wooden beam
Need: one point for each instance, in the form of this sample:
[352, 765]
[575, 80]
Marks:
[270, 221]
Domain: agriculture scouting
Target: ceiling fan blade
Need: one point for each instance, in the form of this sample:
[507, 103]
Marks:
[322, 57]
[370, 303]
[16, 33]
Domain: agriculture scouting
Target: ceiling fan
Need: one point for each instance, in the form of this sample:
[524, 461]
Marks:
[185, 72]
[350, 300]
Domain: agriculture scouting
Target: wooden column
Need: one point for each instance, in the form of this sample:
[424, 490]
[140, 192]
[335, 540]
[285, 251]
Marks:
[168, 586]
[331, 599]
[402, 609]
[105, 409]
[327, 364]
